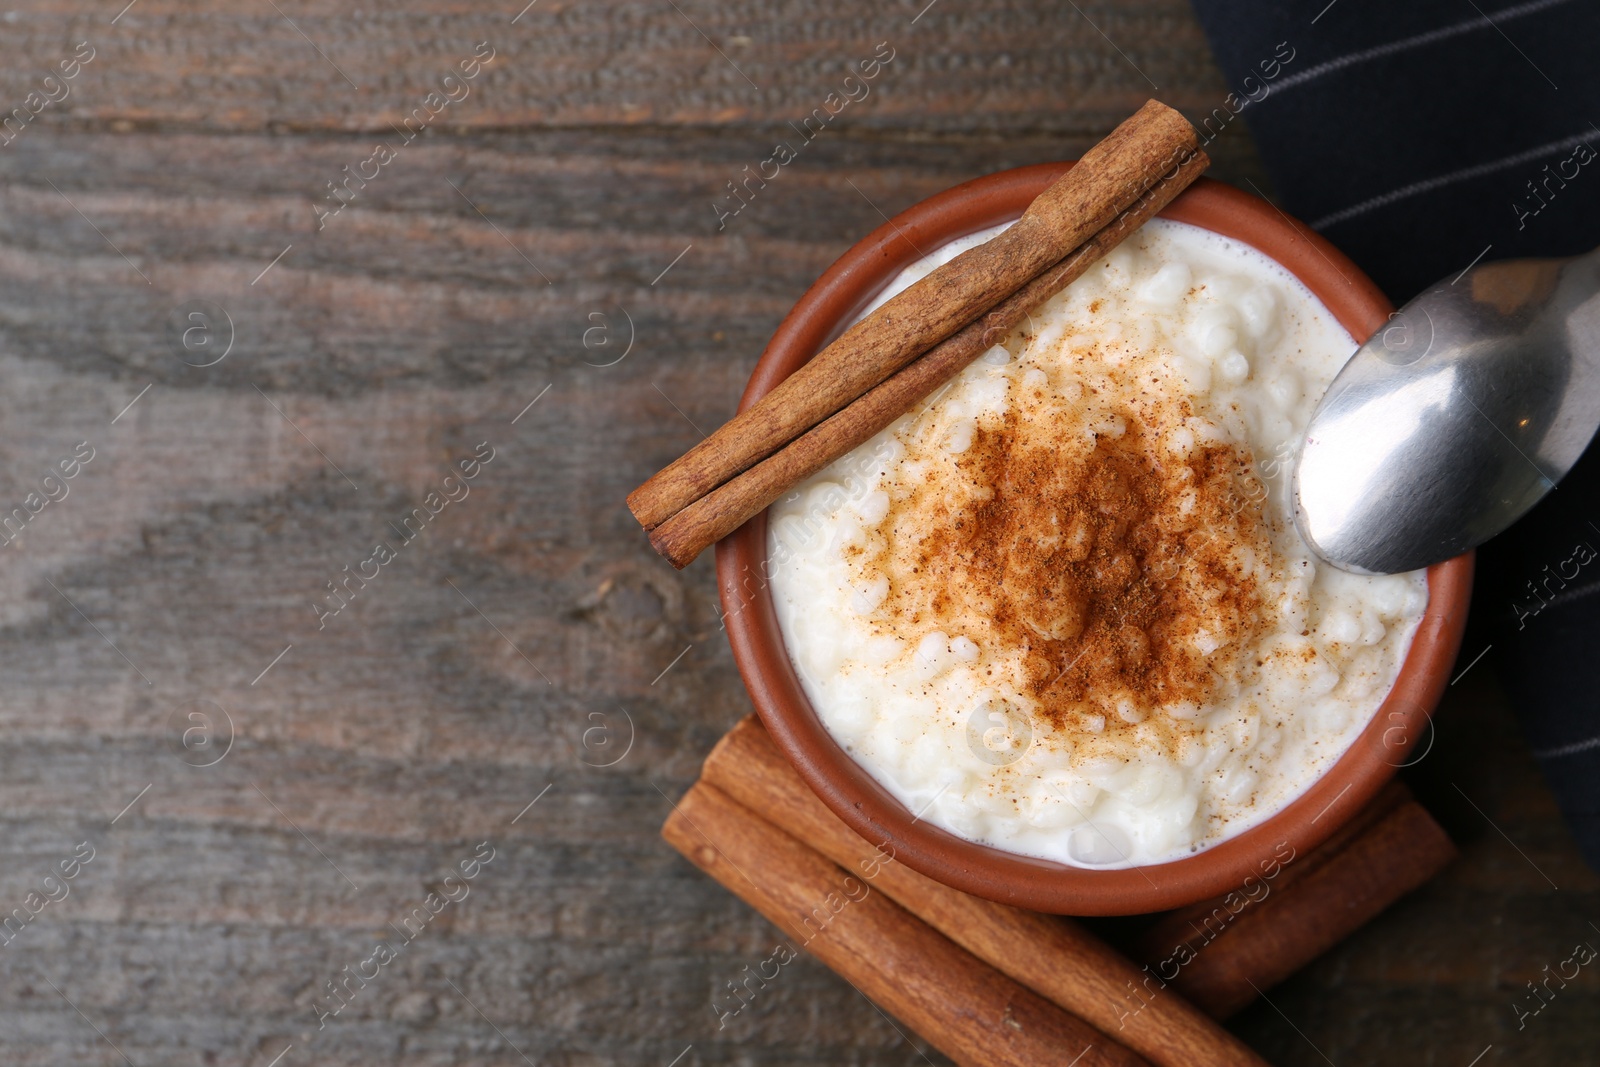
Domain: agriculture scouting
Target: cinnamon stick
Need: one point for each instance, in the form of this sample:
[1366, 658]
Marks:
[1346, 884]
[1107, 180]
[1054, 957]
[969, 1011]
[1208, 917]
[701, 524]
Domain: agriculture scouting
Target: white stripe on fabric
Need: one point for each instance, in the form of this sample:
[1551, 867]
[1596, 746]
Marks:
[1569, 596]
[1568, 750]
[1465, 174]
[1485, 22]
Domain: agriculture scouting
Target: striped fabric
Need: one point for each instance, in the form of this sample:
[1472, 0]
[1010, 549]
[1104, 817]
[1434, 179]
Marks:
[1421, 138]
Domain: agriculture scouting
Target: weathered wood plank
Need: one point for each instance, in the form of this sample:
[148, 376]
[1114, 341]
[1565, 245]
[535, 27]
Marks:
[509, 648]
[956, 68]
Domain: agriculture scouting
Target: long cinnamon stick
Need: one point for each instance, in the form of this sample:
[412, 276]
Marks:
[701, 524]
[973, 1014]
[1266, 942]
[1109, 178]
[1056, 958]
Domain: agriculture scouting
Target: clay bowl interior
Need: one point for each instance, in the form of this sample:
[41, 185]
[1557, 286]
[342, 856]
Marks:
[1388, 741]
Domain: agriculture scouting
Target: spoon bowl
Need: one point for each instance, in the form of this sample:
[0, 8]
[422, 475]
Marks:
[1455, 418]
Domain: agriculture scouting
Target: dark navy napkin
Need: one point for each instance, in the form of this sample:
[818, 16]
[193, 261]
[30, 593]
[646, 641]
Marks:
[1421, 138]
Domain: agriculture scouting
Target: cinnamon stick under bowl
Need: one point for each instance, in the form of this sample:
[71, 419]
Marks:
[855, 797]
[1056, 958]
[970, 1011]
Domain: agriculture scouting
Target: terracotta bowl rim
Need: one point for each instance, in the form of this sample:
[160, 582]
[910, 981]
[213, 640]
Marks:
[867, 807]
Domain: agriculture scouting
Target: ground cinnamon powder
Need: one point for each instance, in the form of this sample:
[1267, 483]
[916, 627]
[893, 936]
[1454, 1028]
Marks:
[1125, 575]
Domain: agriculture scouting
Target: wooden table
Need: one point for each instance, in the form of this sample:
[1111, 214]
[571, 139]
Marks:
[270, 789]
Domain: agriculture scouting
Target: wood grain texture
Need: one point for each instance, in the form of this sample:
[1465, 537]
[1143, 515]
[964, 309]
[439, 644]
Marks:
[412, 727]
[623, 62]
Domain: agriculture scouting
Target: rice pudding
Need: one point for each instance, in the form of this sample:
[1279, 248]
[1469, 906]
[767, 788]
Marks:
[1061, 607]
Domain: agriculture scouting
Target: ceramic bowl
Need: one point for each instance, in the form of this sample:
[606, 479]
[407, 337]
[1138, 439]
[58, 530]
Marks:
[1389, 741]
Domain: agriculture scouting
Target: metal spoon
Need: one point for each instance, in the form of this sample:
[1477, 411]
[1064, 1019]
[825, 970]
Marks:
[1455, 418]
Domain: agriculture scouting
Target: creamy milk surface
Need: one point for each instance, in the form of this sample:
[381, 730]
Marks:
[1061, 607]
